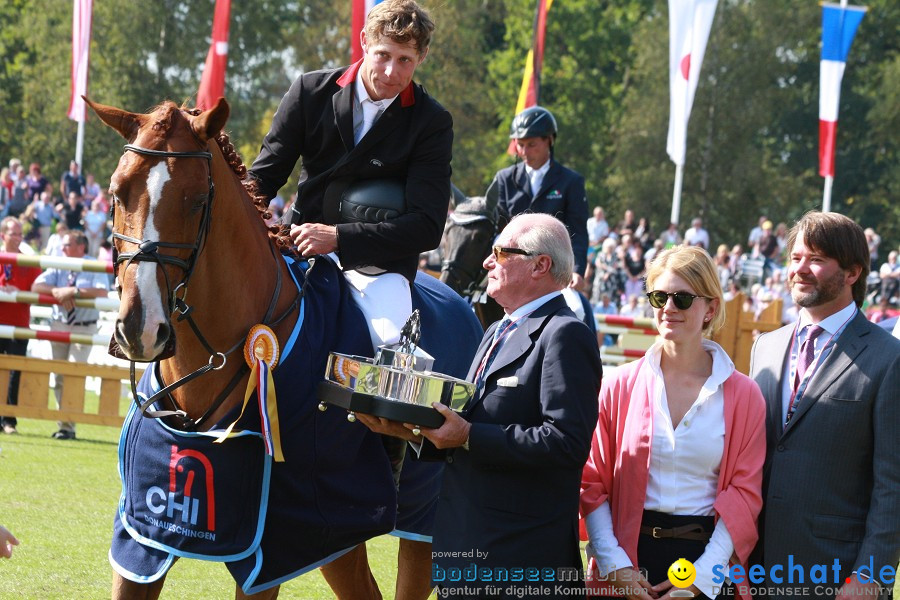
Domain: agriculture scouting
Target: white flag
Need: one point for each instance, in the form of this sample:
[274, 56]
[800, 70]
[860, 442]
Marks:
[689, 25]
[81, 45]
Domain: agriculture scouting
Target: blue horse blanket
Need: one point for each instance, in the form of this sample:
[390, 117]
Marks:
[183, 496]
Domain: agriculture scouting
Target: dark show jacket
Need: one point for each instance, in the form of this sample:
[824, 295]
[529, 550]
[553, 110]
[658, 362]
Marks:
[514, 494]
[412, 140]
[561, 195]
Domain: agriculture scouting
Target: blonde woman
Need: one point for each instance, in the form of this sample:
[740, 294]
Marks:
[675, 469]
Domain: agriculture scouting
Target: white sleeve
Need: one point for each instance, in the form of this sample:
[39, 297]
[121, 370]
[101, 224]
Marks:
[718, 551]
[606, 550]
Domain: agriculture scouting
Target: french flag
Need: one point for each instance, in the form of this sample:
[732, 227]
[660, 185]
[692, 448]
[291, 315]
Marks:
[839, 24]
[361, 9]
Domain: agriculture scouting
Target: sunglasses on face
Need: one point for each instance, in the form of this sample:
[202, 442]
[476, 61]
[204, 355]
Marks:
[500, 252]
[683, 300]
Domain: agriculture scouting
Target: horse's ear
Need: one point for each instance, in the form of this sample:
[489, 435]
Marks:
[457, 197]
[210, 123]
[492, 197]
[126, 123]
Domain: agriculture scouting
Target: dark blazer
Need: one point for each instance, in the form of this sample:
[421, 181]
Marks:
[514, 493]
[831, 479]
[561, 195]
[411, 141]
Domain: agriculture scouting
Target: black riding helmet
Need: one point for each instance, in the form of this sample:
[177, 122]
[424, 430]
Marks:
[533, 122]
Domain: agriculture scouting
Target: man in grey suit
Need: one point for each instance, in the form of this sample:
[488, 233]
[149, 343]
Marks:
[831, 479]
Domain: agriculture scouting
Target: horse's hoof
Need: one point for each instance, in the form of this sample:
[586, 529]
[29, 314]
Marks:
[351, 417]
[323, 407]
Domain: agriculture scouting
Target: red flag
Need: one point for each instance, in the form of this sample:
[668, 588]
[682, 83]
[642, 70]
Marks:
[529, 93]
[361, 10]
[212, 84]
[81, 46]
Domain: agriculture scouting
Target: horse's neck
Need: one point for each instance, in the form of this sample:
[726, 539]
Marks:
[231, 289]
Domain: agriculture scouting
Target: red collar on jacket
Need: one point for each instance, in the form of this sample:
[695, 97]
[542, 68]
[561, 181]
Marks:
[407, 96]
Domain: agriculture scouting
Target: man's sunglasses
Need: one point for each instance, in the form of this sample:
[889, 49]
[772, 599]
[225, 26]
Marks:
[683, 300]
[500, 251]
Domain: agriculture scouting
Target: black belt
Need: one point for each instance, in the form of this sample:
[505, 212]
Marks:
[83, 323]
[685, 532]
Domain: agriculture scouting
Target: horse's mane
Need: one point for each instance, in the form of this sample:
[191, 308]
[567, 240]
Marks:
[277, 233]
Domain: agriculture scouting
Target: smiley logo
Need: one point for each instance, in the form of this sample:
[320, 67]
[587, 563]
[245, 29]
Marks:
[682, 573]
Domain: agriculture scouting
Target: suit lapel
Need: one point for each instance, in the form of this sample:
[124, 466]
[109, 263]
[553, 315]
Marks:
[774, 356]
[342, 102]
[844, 351]
[523, 182]
[519, 342]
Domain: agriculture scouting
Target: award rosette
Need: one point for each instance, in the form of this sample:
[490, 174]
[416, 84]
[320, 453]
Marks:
[398, 384]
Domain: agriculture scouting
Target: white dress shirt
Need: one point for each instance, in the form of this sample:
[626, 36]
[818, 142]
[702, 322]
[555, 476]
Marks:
[536, 177]
[684, 469]
[371, 109]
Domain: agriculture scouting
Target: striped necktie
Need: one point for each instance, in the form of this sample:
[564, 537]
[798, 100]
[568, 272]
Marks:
[505, 324]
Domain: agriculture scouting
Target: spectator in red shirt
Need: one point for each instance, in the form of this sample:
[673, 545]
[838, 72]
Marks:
[14, 278]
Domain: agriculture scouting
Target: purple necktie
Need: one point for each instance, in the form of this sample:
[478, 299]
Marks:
[807, 352]
[804, 359]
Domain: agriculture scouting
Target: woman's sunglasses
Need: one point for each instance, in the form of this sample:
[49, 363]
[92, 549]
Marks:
[501, 251]
[683, 300]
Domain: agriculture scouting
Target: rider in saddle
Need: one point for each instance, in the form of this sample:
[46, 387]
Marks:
[376, 150]
[541, 184]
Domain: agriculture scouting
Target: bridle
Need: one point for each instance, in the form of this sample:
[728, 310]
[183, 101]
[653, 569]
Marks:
[148, 251]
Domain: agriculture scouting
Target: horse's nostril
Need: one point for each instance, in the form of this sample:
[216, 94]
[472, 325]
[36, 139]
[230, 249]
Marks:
[162, 334]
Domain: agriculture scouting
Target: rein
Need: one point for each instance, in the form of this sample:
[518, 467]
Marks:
[148, 251]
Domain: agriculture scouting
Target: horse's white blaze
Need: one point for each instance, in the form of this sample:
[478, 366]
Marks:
[147, 285]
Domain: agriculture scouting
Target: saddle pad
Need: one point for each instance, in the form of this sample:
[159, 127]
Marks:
[180, 489]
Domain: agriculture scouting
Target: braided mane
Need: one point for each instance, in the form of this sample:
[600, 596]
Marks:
[277, 233]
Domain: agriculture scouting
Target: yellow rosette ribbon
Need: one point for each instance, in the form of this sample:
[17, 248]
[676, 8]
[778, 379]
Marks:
[261, 353]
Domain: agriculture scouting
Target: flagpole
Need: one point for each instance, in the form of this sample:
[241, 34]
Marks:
[676, 194]
[79, 145]
[826, 194]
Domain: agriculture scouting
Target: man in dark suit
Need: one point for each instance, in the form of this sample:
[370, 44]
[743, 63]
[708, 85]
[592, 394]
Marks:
[832, 385]
[509, 501]
[541, 184]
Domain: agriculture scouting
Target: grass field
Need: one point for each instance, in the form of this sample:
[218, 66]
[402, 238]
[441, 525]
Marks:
[59, 498]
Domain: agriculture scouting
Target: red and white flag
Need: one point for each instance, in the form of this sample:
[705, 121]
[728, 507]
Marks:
[361, 10]
[81, 49]
[212, 83]
[839, 24]
[689, 25]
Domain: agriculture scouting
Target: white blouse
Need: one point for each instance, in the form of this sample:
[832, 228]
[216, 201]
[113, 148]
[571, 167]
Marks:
[684, 469]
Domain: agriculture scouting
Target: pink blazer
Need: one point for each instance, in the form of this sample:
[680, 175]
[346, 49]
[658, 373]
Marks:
[619, 464]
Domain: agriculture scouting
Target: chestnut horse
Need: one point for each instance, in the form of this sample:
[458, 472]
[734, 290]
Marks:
[191, 242]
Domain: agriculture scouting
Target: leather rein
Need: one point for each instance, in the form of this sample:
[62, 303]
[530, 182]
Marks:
[149, 251]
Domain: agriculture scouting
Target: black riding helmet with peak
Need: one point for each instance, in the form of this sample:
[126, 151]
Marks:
[535, 121]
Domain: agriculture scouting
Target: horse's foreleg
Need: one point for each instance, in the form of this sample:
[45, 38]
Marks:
[413, 570]
[350, 577]
[124, 589]
[269, 594]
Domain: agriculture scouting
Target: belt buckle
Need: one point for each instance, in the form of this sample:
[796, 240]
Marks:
[655, 533]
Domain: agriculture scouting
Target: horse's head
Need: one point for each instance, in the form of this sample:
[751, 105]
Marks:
[161, 195]
[468, 235]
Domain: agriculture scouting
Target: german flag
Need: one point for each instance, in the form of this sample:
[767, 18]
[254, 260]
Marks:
[529, 93]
